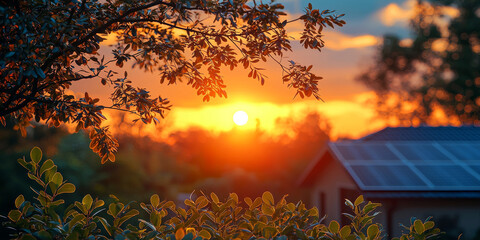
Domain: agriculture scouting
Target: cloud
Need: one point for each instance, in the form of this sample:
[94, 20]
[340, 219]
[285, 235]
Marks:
[334, 38]
[394, 14]
[341, 41]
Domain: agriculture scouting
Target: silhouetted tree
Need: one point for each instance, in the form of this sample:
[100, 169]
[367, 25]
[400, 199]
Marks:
[438, 69]
[48, 45]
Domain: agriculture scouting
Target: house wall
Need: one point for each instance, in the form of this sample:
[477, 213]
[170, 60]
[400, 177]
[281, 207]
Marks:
[330, 180]
[454, 216]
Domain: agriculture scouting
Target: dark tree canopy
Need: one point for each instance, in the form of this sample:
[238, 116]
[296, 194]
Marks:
[46, 45]
[438, 69]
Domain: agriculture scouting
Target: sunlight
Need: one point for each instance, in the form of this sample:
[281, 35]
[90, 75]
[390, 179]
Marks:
[240, 118]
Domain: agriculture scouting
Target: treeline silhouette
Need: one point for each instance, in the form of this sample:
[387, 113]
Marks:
[194, 160]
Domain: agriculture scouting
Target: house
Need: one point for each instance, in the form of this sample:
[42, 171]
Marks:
[413, 171]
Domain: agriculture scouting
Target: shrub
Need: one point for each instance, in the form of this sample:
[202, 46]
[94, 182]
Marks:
[206, 217]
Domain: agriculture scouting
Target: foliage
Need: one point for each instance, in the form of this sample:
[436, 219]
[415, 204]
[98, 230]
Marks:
[206, 217]
[438, 70]
[46, 46]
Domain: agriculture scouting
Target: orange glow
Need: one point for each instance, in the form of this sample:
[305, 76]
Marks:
[265, 116]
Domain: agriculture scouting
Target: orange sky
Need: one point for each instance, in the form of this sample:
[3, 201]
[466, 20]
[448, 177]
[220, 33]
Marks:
[345, 55]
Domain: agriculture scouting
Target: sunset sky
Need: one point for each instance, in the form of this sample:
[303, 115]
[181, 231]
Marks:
[347, 51]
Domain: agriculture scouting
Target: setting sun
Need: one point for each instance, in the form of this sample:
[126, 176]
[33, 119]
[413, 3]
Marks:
[240, 118]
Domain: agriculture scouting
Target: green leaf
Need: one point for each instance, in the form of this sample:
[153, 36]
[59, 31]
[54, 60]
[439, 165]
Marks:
[359, 200]
[87, 201]
[14, 215]
[418, 225]
[98, 204]
[75, 220]
[291, 207]
[155, 200]
[201, 202]
[46, 165]
[429, 225]
[19, 200]
[215, 197]
[334, 227]
[267, 197]
[267, 209]
[268, 232]
[189, 203]
[105, 224]
[119, 221]
[23, 163]
[204, 234]
[151, 226]
[114, 197]
[372, 231]
[313, 212]
[345, 231]
[49, 173]
[349, 203]
[36, 154]
[81, 207]
[66, 188]
[112, 209]
[155, 219]
[36, 179]
[234, 196]
[58, 202]
[57, 179]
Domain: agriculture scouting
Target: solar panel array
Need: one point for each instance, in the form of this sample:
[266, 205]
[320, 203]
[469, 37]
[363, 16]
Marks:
[412, 166]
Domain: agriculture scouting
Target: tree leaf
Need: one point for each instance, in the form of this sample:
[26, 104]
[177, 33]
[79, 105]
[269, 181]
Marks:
[154, 200]
[14, 215]
[334, 227]
[372, 231]
[36, 155]
[419, 227]
[57, 178]
[46, 166]
[268, 209]
[87, 201]
[19, 200]
[359, 200]
[66, 188]
[204, 234]
[267, 198]
[345, 231]
[214, 197]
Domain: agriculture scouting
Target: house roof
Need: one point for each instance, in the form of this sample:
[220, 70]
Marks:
[422, 159]
[425, 133]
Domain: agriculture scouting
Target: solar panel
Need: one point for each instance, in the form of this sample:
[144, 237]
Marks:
[423, 152]
[352, 152]
[475, 168]
[387, 175]
[411, 166]
[448, 175]
[464, 152]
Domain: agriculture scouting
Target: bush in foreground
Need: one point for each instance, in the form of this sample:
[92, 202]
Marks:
[206, 217]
